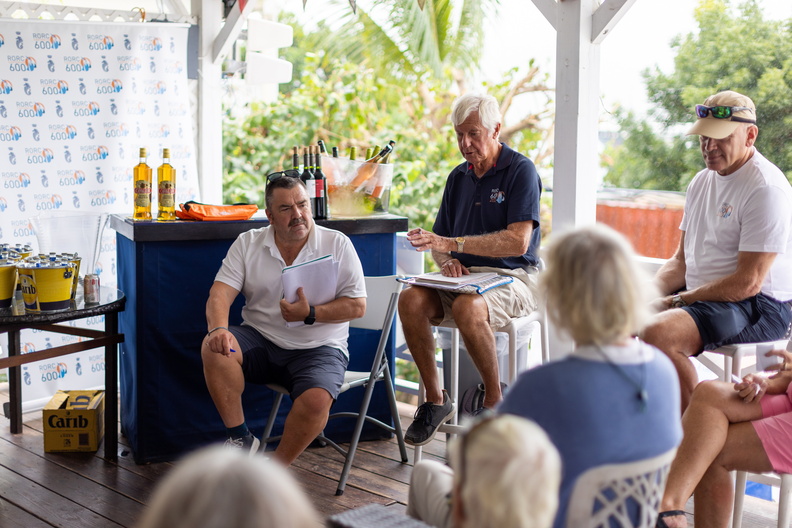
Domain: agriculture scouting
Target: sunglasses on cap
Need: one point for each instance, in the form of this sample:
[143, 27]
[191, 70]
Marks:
[723, 112]
[290, 173]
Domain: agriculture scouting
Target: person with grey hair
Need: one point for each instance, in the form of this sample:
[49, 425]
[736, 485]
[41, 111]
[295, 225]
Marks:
[730, 280]
[506, 474]
[216, 487]
[488, 221]
[614, 399]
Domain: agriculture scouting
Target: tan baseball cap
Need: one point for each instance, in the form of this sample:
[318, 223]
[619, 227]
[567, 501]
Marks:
[719, 128]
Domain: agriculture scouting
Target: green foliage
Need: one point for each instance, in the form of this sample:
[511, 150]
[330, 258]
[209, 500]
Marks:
[734, 49]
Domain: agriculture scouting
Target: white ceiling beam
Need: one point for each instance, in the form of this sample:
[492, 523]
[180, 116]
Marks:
[548, 8]
[607, 16]
[231, 29]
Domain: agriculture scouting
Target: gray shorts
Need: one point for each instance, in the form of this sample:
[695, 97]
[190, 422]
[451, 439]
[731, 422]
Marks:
[298, 370]
[504, 302]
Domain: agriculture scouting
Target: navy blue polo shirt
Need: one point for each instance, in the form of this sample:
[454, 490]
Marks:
[507, 193]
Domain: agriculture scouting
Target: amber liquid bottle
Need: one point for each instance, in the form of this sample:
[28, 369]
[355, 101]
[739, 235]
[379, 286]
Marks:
[141, 175]
[166, 189]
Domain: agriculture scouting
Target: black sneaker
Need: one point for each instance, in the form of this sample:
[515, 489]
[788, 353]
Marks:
[249, 444]
[428, 417]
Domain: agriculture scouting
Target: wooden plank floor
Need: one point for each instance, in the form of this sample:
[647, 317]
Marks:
[82, 490]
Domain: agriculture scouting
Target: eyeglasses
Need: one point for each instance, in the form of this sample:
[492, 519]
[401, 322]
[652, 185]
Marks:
[290, 173]
[723, 112]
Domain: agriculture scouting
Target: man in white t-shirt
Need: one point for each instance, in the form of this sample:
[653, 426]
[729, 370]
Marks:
[730, 280]
[308, 359]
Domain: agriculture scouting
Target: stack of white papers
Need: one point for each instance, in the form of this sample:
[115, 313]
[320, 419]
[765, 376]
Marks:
[435, 277]
[318, 278]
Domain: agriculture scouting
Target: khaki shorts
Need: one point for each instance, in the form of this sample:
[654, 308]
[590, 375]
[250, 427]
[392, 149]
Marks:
[504, 302]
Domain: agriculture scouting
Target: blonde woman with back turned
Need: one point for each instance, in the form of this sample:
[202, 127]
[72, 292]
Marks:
[217, 487]
[505, 474]
[614, 399]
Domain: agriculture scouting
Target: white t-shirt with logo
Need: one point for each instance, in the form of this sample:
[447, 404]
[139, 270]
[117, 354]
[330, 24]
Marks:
[254, 265]
[748, 210]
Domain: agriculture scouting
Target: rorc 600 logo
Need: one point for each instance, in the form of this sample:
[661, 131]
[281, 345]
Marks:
[102, 197]
[21, 63]
[54, 87]
[15, 180]
[10, 133]
[46, 41]
[93, 152]
[30, 109]
[100, 42]
[39, 155]
[62, 132]
[116, 129]
[48, 202]
[154, 88]
[68, 177]
[75, 63]
[6, 87]
[53, 371]
[146, 43]
[85, 108]
[108, 86]
[129, 63]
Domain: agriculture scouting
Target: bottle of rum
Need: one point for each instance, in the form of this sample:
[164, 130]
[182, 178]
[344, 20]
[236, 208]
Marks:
[166, 189]
[141, 174]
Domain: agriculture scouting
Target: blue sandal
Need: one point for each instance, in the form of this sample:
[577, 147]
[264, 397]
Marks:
[671, 513]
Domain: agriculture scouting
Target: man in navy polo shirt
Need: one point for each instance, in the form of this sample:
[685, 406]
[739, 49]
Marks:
[488, 221]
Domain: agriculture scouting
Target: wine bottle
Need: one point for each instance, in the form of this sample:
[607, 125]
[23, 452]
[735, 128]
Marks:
[352, 153]
[369, 153]
[320, 183]
[142, 177]
[166, 189]
[322, 149]
[295, 159]
[335, 152]
[307, 177]
[369, 168]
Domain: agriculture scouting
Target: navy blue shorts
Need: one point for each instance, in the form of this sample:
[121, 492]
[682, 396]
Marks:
[298, 370]
[753, 320]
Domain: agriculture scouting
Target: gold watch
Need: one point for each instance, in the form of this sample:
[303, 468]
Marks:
[460, 244]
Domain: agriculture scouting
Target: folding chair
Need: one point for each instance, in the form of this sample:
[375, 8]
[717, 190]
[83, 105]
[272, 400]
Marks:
[604, 495]
[383, 296]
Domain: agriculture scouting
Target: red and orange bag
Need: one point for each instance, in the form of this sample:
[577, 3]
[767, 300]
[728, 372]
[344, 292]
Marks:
[206, 212]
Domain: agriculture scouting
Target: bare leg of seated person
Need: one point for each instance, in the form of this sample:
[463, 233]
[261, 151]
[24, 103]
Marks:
[226, 382]
[471, 316]
[676, 334]
[417, 307]
[305, 421]
[718, 438]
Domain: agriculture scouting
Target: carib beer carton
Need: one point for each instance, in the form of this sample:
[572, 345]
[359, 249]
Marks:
[74, 421]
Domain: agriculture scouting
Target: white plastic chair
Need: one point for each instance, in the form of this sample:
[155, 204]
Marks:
[784, 481]
[383, 297]
[601, 495]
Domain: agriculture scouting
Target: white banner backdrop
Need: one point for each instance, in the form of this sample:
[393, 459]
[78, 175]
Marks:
[77, 101]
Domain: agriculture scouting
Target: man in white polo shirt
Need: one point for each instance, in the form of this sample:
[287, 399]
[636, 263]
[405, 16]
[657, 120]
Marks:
[730, 280]
[309, 359]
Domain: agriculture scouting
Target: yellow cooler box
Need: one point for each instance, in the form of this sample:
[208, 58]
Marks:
[74, 421]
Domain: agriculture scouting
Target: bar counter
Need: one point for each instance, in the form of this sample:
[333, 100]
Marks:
[166, 270]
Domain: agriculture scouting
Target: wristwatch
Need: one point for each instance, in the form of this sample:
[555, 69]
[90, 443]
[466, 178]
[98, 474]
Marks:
[677, 301]
[460, 244]
[311, 319]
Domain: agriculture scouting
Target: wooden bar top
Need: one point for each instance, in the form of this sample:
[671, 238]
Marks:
[153, 231]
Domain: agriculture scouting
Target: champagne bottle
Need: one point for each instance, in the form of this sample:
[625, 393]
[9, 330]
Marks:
[369, 153]
[142, 177]
[306, 176]
[320, 182]
[166, 189]
[352, 153]
[369, 168]
[322, 148]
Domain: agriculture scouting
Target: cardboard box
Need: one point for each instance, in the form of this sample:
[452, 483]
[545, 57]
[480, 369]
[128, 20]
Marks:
[74, 421]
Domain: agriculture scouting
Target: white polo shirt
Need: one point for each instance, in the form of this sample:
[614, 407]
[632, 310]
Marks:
[748, 210]
[253, 266]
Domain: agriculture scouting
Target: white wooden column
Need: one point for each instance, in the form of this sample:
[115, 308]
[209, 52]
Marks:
[210, 102]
